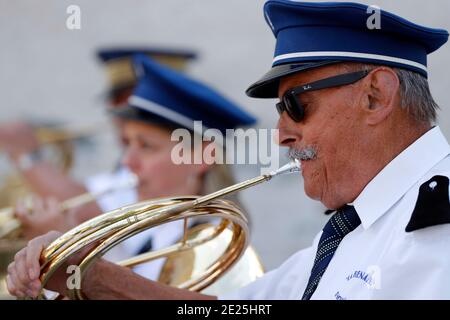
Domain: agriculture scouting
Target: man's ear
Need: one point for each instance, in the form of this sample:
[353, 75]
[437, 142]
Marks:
[383, 94]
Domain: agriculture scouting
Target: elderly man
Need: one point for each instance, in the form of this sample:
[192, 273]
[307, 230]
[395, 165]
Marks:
[356, 108]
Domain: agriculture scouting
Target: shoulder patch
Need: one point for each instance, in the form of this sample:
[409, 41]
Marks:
[433, 205]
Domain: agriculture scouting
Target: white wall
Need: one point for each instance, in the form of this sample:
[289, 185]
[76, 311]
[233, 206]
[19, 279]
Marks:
[49, 72]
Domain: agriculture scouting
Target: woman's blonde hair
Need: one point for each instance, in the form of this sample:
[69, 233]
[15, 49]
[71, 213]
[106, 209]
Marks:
[220, 176]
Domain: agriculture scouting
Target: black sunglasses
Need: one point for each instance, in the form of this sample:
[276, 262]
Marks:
[293, 106]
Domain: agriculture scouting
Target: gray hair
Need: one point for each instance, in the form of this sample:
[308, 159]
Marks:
[415, 94]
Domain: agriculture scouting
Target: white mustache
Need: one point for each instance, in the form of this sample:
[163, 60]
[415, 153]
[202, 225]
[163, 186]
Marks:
[308, 153]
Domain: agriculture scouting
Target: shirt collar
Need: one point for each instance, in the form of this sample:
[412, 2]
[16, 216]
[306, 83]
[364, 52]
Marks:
[391, 183]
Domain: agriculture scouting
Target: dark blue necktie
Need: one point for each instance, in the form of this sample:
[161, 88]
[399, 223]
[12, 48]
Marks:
[344, 221]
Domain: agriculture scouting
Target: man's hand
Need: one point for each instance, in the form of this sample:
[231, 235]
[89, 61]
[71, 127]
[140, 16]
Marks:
[23, 279]
[44, 216]
[17, 138]
[23, 273]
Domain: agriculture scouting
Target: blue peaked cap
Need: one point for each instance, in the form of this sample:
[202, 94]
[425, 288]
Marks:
[107, 54]
[166, 96]
[310, 35]
[119, 68]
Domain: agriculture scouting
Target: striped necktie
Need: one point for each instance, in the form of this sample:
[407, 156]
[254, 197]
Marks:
[344, 221]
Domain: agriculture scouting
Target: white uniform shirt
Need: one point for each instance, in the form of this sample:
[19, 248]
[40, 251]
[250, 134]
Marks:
[378, 260]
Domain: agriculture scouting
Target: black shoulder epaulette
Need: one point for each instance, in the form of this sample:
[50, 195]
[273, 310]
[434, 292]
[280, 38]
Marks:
[433, 205]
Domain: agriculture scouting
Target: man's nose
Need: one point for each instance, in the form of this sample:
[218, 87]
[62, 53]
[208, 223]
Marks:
[288, 133]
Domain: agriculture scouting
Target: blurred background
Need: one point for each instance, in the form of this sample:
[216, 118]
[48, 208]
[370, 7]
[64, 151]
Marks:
[51, 74]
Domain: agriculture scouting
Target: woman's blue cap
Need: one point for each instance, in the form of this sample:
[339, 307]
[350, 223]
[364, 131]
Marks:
[166, 96]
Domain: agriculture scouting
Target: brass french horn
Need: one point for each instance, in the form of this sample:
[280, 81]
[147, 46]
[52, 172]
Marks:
[107, 230]
[10, 227]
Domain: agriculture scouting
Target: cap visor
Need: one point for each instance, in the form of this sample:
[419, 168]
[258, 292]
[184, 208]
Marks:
[137, 114]
[267, 86]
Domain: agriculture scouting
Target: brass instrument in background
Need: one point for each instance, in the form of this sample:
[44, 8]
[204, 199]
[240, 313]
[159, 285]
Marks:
[59, 141]
[107, 230]
[10, 226]
[13, 187]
